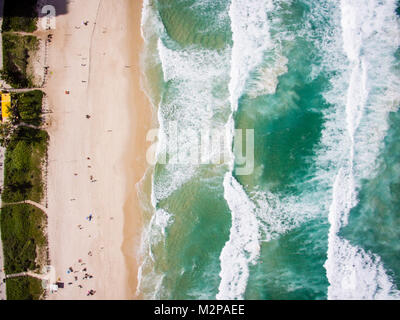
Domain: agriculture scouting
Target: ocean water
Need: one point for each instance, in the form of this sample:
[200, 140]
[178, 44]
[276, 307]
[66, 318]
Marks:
[317, 84]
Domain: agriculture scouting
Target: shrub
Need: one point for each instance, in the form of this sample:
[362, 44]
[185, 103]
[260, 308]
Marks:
[24, 288]
[23, 237]
[27, 107]
[23, 162]
[16, 52]
[17, 17]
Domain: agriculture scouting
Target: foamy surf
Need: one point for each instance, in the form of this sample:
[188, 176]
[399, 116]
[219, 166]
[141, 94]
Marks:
[251, 39]
[243, 246]
[268, 65]
[250, 36]
[352, 272]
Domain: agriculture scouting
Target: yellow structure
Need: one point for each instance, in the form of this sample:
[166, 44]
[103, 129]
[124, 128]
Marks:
[5, 106]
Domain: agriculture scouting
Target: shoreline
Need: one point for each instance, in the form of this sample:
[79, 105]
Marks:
[135, 160]
[96, 154]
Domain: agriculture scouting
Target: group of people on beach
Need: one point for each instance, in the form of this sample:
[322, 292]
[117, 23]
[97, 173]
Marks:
[85, 277]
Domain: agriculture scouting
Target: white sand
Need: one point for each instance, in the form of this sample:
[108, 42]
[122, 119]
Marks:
[99, 54]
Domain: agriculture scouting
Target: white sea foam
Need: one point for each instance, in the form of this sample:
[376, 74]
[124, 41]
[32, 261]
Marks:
[150, 281]
[349, 148]
[191, 64]
[352, 272]
[191, 100]
[370, 35]
[153, 234]
[151, 25]
[251, 41]
[192, 73]
[278, 214]
[348, 152]
[364, 91]
[243, 246]
[257, 217]
[158, 224]
[266, 80]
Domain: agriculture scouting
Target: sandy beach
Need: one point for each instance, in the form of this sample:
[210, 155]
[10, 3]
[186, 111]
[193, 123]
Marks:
[97, 129]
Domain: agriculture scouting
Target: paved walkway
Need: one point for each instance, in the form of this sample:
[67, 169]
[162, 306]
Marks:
[2, 274]
[20, 90]
[29, 274]
[33, 203]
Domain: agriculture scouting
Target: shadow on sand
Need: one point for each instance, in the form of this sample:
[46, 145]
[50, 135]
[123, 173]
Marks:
[31, 8]
[61, 6]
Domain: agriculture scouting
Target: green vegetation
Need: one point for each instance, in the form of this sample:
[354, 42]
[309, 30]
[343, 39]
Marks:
[27, 107]
[22, 225]
[16, 52]
[24, 240]
[24, 288]
[6, 130]
[25, 155]
[19, 17]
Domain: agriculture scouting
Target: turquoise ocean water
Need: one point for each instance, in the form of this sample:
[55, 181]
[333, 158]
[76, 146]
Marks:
[319, 83]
